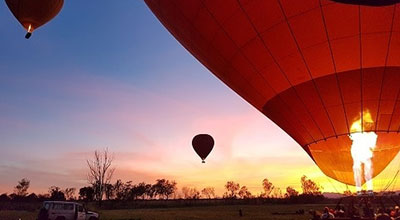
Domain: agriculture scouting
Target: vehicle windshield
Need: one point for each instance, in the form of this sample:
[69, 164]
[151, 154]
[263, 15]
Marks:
[58, 206]
[63, 206]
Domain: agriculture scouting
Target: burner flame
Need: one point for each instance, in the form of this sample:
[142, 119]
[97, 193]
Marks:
[364, 142]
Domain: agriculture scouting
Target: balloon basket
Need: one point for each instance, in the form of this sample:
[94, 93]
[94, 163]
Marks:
[203, 161]
[28, 35]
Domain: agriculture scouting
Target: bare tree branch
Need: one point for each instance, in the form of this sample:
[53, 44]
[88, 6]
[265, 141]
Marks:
[100, 172]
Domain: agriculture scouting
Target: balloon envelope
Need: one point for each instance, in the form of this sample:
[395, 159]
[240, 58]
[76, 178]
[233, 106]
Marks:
[313, 67]
[369, 2]
[203, 144]
[34, 13]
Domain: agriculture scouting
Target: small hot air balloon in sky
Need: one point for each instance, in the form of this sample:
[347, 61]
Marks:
[203, 144]
[34, 13]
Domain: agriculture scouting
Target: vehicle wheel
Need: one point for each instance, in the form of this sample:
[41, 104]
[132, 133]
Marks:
[60, 218]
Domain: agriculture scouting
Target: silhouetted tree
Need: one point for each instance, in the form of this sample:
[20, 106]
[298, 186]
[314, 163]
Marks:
[164, 188]
[190, 193]
[140, 190]
[127, 189]
[291, 192]
[4, 197]
[268, 188]
[208, 192]
[136, 191]
[109, 191]
[119, 190]
[159, 187]
[309, 187]
[31, 197]
[232, 189]
[86, 193]
[276, 193]
[186, 192]
[22, 188]
[151, 191]
[100, 172]
[147, 191]
[43, 197]
[70, 193]
[170, 189]
[15, 197]
[244, 193]
[56, 193]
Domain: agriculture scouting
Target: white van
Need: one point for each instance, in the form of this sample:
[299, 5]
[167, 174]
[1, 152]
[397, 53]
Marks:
[58, 210]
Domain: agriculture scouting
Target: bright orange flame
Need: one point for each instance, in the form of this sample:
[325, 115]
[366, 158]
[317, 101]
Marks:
[362, 149]
[30, 28]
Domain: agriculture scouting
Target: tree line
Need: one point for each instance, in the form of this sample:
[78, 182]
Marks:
[162, 189]
[100, 188]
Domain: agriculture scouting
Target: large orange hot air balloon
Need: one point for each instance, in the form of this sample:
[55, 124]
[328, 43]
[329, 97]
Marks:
[203, 144]
[34, 13]
[316, 68]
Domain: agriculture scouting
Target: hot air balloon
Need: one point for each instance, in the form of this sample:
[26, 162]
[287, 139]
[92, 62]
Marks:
[203, 144]
[313, 67]
[34, 13]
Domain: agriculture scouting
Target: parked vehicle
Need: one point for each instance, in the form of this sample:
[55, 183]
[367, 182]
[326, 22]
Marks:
[59, 210]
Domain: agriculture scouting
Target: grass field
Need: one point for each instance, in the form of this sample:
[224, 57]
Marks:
[256, 212]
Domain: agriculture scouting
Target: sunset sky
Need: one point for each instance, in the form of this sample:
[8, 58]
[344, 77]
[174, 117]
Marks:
[107, 74]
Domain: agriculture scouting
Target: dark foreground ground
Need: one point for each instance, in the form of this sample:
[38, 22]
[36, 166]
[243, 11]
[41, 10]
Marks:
[228, 212]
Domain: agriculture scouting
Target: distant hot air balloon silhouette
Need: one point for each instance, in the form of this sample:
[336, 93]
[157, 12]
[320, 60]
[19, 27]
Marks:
[203, 144]
[34, 13]
[313, 67]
